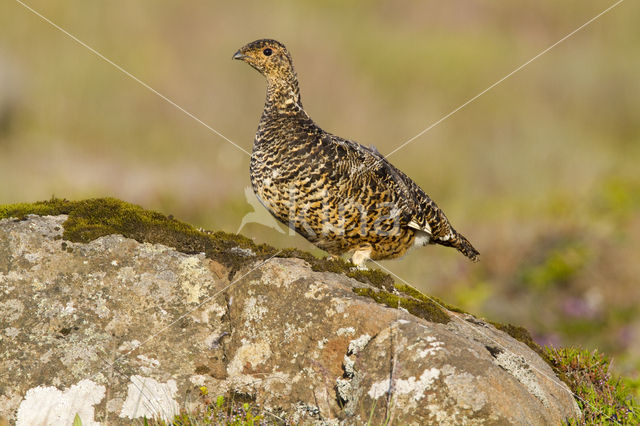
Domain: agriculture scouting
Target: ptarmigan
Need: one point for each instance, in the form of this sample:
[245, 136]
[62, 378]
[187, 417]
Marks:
[341, 196]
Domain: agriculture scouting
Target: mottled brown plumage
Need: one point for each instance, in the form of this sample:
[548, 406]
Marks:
[341, 196]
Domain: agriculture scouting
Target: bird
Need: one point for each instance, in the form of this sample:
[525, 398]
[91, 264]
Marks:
[343, 197]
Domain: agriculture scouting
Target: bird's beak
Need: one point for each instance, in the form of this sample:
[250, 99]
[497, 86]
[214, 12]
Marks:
[239, 55]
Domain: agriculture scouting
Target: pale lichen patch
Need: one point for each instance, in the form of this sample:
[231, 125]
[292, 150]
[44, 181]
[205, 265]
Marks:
[51, 406]
[463, 388]
[339, 305]
[146, 397]
[413, 386]
[206, 315]
[253, 354]
[348, 365]
[283, 272]
[78, 359]
[198, 379]
[314, 292]
[101, 308]
[356, 345]
[191, 278]
[243, 251]
[433, 346]
[292, 332]
[11, 332]
[518, 367]
[68, 309]
[129, 346]
[254, 310]
[345, 330]
[147, 364]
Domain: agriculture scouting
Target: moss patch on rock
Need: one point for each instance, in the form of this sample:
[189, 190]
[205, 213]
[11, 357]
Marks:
[425, 309]
[521, 334]
[372, 277]
[407, 289]
[94, 218]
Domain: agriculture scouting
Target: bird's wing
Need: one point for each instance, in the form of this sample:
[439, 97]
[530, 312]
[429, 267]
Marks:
[370, 173]
[369, 168]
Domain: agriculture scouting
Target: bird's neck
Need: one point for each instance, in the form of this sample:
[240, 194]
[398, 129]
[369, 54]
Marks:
[283, 94]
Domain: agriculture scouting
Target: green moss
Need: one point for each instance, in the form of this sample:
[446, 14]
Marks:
[425, 309]
[521, 334]
[602, 398]
[374, 278]
[330, 264]
[94, 218]
[407, 289]
[42, 208]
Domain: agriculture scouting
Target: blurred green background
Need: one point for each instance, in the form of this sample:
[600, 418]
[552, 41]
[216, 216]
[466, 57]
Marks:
[541, 173]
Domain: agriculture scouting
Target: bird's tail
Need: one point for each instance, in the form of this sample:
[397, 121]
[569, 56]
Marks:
[459, 242]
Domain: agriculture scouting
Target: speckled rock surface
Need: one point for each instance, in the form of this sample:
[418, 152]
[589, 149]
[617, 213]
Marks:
[115, 330]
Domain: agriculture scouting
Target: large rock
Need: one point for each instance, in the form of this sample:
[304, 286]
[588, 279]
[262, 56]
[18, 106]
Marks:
[115, 329]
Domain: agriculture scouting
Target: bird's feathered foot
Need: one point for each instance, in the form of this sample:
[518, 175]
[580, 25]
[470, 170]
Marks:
[360, 256]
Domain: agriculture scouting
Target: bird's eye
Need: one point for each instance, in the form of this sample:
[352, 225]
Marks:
[267, 52]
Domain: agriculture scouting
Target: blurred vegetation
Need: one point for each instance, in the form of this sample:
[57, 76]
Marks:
[602, 399]
[541, 173]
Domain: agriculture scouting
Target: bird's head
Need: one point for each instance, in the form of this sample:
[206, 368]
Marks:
[269, 57]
